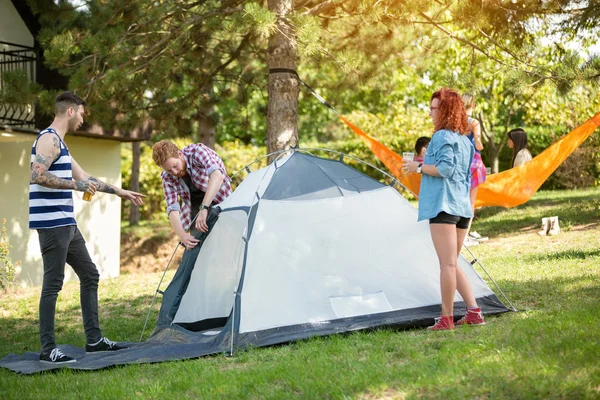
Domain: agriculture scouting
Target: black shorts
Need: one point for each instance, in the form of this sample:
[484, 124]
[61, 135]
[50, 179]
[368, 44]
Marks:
[445, 218]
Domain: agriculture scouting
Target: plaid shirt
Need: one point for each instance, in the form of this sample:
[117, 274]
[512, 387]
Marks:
[201, 162]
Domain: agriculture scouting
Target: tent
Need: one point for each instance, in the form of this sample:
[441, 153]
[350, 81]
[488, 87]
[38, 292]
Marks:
[306, 246]
[310, 246]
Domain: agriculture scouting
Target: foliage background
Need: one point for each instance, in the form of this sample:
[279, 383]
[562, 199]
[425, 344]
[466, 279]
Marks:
[187, 65]
[397, 127]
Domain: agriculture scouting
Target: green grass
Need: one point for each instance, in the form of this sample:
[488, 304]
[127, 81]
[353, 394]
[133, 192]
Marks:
[147, 229]
[549, 350]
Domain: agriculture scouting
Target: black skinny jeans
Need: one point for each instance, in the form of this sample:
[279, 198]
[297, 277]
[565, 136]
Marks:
[59, 246]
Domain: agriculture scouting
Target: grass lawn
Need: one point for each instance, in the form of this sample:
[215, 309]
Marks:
[551, 349]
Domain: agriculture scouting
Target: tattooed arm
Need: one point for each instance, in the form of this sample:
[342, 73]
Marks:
[103, 187]
[48, 150]
[81, 176]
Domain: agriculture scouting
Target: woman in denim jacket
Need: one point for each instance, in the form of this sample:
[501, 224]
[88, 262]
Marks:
[444, 201]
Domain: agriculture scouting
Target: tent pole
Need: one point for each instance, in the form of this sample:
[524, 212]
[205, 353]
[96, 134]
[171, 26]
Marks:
[307, 151]
[232, 323]
[475, 260]
[157, 291]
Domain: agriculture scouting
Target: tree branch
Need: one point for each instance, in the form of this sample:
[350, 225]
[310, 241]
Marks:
[160, 43]
[319, 8]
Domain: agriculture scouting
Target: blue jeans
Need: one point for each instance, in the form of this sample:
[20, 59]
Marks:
[59, 246]
[174, 292]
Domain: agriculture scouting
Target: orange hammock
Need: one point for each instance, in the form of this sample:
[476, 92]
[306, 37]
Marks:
[509, 188]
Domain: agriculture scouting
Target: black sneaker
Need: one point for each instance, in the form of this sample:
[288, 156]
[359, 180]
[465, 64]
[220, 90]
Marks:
[103, 345]
[55, 357]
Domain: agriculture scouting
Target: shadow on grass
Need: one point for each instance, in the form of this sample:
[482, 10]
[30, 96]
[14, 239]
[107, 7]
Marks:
[560, 293]
[120, 319]
[571, 254]
[577, 210]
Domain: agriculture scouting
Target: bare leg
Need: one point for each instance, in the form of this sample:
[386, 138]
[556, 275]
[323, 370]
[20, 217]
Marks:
[473, 198]
[461, 234]
[444, 238]
[462, 282]
[464, 288]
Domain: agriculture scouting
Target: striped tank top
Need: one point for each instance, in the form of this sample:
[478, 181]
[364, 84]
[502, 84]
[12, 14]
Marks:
[51, 208]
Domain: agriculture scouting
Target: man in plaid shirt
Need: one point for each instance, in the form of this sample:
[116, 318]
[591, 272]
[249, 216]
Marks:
[197, 176]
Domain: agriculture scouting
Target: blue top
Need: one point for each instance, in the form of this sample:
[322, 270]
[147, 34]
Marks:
[451, 153]
[471, 136]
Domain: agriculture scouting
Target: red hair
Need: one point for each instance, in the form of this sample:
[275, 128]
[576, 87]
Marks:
[163, 150]
[451, 112]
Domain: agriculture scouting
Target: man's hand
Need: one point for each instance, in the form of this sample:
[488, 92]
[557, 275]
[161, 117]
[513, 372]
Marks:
[201, 224]
[134, 197]
[86, 186]
[188, 241]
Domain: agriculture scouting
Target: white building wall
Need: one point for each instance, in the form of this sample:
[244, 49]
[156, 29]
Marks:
[99, 220]
[12, 27]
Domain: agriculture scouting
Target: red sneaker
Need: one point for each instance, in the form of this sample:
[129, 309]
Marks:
[443, 323]
[472, 317]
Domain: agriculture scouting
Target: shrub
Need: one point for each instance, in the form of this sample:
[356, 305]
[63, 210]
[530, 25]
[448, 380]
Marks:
[581, 169]
[150, 183]
[7, 268]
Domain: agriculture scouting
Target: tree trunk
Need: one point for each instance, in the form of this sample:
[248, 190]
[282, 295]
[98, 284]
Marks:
[134, 211]
[492, 148]
[282, 113]
[206, 123]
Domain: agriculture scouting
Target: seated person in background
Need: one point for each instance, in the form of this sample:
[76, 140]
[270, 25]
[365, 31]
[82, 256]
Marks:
[421, 147]
[517, 140]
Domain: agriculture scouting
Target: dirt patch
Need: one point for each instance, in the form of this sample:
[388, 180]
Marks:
[387, 394]
[143, 255]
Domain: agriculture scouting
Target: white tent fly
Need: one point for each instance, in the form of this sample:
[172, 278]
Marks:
[310, 246]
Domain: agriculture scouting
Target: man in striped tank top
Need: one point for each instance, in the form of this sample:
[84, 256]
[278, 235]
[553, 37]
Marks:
[54, 176]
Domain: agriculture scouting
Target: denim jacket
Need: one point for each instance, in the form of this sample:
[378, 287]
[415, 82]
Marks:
[451, 153]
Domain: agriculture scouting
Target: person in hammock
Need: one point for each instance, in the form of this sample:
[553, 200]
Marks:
[421, 147]
[517, 141]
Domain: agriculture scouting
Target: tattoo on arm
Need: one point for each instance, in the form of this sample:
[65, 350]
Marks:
[81, 186]
[103, 187]
[40, 166]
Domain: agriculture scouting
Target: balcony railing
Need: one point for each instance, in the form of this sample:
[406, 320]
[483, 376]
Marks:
[17, 58]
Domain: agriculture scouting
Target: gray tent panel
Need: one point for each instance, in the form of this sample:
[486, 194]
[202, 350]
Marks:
[306, 177]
